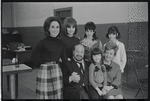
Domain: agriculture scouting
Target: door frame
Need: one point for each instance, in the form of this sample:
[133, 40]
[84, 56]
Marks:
[62, 10]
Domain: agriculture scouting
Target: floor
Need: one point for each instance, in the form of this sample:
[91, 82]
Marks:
[27, 86]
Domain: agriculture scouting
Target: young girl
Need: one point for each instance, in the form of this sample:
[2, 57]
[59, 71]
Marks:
[90, 40]
[97, 75]
[113, 72]
[69, 39]
[45, 57]
[113, 35]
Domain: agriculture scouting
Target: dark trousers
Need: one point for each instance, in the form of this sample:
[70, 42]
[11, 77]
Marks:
[77, 93]
[83, 93]
[94, 94]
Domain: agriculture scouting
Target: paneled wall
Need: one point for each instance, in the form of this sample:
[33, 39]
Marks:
[133, 35]
[138, 36]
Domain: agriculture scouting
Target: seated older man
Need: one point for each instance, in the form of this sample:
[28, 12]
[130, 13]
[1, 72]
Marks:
[76, 84]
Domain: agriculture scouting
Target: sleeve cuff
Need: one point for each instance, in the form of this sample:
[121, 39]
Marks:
[70, 79]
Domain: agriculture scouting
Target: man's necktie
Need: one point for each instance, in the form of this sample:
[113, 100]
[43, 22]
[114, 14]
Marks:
[81, 68]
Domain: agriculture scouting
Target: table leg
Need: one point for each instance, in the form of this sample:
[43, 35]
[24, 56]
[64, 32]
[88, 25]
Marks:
[12, 86]
[16, 82]
[8, 83]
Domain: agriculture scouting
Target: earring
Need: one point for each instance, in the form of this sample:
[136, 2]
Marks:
[117, 34]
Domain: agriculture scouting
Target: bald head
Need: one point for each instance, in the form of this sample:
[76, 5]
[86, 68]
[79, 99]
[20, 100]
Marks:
[78, 52]
[79, 46]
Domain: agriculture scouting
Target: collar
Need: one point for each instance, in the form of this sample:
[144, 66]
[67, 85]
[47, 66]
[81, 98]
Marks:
[70, 36]
[51, 38]
[117, 42]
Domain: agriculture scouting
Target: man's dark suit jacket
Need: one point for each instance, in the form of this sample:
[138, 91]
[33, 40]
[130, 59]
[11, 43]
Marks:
[71, 90]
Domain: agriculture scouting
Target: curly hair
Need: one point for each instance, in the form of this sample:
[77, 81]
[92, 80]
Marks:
[111, 45]
[48, 22]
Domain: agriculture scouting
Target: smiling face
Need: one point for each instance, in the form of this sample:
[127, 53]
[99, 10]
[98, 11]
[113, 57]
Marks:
[89, 33]
[78, 53]
[97, 58]
[112, 36]
[109, 54]
[54, 28]
[70, 30]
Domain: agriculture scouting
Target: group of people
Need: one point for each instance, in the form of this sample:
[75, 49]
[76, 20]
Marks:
[72, 68]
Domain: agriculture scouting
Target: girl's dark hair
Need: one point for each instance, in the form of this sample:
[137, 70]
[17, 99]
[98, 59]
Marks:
[113, 30]
[47, 25]
[95, 51]
[90, 26]
[111, 45]
[69, 21]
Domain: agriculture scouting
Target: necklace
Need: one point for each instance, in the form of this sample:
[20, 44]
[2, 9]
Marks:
[88, 42]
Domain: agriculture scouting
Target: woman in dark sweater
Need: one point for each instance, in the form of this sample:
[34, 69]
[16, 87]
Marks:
[45, 57]
[69, 39]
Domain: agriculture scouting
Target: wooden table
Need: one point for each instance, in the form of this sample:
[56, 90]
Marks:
[12, 71]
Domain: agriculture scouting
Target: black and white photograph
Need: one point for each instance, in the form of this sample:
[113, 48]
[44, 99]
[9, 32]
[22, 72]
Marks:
[74, 50]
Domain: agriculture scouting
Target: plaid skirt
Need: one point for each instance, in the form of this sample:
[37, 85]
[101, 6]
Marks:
[49, 84]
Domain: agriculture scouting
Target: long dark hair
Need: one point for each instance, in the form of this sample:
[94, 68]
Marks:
[113, 30]
[90, 26]
[95, 51]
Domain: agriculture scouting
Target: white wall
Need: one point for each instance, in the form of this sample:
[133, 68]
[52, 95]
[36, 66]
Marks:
[6, 15]
[31, 14]
[138, 12]
[98, 12]
[34, 14]
[107, 12]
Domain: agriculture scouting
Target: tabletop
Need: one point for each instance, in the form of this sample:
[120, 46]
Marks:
[12, 69]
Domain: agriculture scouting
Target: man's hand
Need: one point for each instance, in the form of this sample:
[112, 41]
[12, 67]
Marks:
[69, 59]
[104, 91]
[74, 77]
